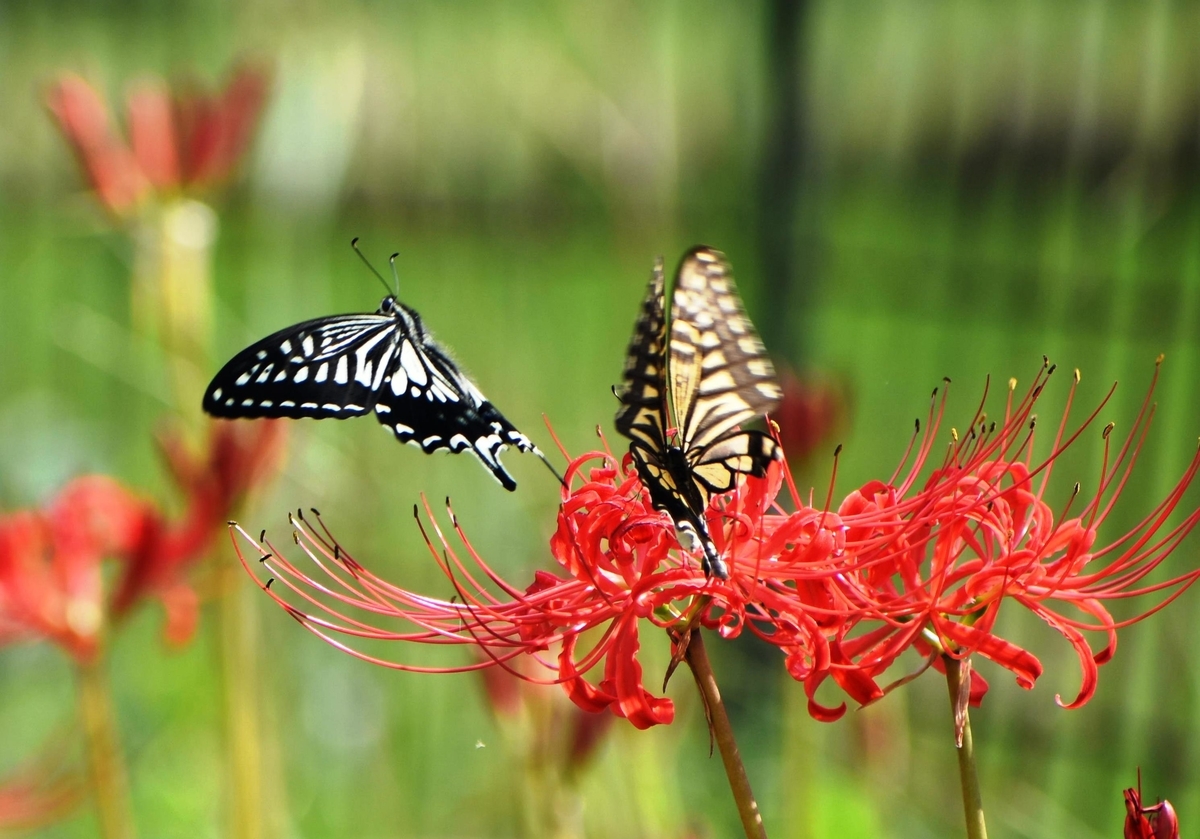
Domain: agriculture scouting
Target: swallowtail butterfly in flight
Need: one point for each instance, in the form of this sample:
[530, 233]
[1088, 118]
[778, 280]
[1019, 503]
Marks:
[385, 363]
[688, 385]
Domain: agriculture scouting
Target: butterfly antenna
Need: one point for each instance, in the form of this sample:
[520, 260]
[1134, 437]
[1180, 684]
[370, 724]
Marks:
[395, 273]
[553, 471]
[367, 262]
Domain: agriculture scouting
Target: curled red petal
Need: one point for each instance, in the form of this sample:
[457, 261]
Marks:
[1021, 663]
[819, 712]
[1087, 664]
[624, 672]
[584, 694]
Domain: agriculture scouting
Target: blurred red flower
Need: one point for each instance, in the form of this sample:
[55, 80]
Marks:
[841, 593]
[51, 583]
[41, 790]
[187, 140]
[807, 414]
[237, 458]
[1155, 822]
[50, 576]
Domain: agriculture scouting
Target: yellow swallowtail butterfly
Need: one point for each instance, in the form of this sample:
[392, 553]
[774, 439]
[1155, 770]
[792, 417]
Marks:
[689, 384]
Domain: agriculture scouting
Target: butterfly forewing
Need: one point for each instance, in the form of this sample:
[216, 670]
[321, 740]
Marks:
[345, 366]
[721, 376]
[323, 368]
[643, 393]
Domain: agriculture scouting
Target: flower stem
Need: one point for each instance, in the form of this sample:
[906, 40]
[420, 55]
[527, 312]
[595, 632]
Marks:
[968, 775]
[238, 653]
[110, 785]
[735, 770]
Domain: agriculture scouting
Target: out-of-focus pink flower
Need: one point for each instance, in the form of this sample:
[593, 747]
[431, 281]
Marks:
[51, 581]
[108, 163]
[41, 791]
[1155, 822]
[188, 140]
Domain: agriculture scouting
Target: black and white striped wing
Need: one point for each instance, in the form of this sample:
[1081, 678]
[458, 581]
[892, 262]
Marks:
[642, 417]
[329, 368]
[339, 367]
[720, 375]
[429, 403]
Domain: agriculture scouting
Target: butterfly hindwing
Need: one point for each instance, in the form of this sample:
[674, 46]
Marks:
[350, 365]
[429, 403]
[717, 465]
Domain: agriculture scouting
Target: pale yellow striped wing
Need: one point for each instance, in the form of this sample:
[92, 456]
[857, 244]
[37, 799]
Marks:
[719, 372]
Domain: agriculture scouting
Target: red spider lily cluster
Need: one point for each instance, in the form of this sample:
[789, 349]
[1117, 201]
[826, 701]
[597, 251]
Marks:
[906, 563]
[51, 580]
[188, 140]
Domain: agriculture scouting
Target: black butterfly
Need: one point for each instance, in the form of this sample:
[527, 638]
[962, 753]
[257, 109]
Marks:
[350, 365]
[682, 402]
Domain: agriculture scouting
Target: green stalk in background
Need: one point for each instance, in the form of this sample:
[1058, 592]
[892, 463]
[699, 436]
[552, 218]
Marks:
[172, 295]
[106, 763]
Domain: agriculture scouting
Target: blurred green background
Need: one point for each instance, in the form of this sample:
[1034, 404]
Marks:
[907, 190]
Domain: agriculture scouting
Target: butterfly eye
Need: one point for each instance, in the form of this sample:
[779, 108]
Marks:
[387, 306]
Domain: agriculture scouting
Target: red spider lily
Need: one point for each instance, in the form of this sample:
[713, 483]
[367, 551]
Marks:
[842, 594]
[187, 141]
[930, 568]
[50, 560]
[238, 457]
[1155, 822]
[50, 576]
[621, 563]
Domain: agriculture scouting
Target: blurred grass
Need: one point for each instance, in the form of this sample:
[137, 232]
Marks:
[984, 183]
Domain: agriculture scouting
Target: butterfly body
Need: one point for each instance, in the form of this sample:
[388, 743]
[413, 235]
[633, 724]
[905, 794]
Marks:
[350, 365]
[689, 384]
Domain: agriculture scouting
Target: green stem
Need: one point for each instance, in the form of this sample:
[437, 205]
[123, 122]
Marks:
[110, 785]
[238, 649]
[967, 772]
[735, 770]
